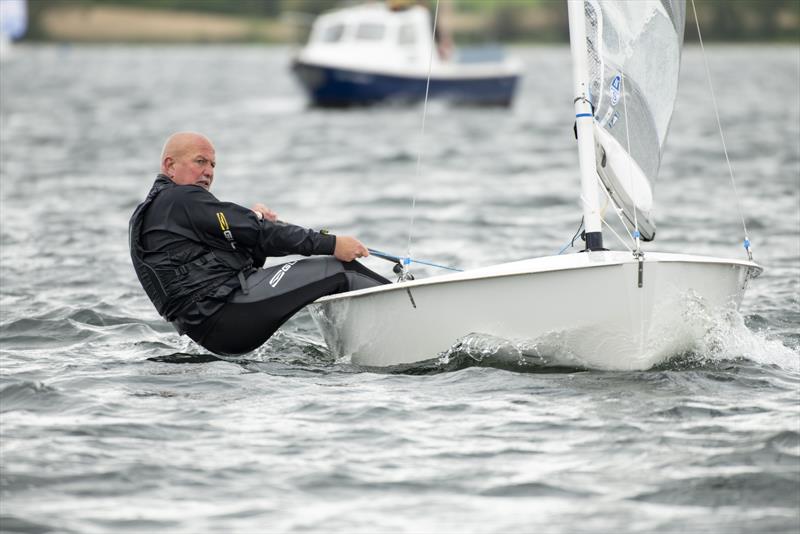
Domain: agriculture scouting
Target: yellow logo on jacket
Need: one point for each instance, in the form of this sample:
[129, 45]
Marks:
[223, 224]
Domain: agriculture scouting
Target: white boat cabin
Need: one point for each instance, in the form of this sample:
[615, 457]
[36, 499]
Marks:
[373, 37]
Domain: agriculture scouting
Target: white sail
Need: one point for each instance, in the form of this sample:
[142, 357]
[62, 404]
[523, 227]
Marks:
[634, 52]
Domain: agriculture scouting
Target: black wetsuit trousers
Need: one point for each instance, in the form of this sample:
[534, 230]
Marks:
[275, 294]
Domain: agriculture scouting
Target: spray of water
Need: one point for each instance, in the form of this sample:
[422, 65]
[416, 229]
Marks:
[725, 337]
[728, 338]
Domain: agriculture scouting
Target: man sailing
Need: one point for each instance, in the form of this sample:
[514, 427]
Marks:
[199, 259]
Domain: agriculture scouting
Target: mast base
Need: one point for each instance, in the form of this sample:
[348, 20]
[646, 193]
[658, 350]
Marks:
[594, 240]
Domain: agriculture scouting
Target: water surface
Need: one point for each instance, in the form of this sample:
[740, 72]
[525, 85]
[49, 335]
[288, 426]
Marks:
[113, 423]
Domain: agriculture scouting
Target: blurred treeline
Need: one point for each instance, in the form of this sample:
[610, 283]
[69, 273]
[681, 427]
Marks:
[473, 20]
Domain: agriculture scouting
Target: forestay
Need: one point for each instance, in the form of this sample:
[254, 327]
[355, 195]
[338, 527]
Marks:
[634, 51]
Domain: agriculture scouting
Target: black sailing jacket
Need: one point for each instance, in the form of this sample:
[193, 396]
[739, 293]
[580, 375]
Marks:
[191, 251]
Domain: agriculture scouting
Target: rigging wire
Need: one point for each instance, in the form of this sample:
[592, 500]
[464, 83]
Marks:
[422, 134]
[603, 220]
[636, 233]
[722, 136]
[617, 235]
[618, 212]
[637, 254]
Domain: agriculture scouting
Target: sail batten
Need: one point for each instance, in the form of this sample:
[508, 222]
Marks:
[634, 51]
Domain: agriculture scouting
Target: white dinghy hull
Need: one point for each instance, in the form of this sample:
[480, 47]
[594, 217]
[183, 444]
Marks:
[583, 309]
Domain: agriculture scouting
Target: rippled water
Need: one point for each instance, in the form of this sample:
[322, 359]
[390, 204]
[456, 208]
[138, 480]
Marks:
[112, 423]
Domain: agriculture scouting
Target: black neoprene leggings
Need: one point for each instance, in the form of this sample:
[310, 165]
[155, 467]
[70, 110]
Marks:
[248, 320]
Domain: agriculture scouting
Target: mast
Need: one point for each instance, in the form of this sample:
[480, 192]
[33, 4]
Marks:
[584, 125]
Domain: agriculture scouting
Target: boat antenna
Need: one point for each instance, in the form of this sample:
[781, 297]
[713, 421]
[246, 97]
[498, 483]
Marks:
[421, 146]
[722, 136]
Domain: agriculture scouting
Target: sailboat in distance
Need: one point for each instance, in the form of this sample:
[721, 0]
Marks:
[602, 309]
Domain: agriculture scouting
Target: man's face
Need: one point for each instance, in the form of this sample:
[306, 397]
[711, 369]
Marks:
[194, 165]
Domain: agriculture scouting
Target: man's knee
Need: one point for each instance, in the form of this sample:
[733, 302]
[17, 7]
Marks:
[357, 280]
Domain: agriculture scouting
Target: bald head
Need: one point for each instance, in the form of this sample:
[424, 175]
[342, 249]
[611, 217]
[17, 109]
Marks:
[189, 158]
[178, 143]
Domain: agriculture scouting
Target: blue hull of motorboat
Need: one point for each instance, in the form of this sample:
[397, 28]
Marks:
[334, 87]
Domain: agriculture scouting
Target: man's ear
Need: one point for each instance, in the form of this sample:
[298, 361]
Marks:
[167, 164]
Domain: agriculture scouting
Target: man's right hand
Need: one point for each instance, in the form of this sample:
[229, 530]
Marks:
[264, 212]
[349, 248]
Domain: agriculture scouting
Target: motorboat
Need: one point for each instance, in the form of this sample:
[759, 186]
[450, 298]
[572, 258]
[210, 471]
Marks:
[371, 53]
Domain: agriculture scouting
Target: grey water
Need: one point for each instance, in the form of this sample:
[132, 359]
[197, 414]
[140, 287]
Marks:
[111, 422]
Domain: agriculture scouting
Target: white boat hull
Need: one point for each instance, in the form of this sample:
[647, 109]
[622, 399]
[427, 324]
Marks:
[580, 309]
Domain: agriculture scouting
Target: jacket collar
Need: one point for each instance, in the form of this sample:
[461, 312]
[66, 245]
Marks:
[163, 179]
[162, 182]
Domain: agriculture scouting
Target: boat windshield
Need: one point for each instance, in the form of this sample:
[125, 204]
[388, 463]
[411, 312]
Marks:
[332, 34]
[407, 35]
[370, 31]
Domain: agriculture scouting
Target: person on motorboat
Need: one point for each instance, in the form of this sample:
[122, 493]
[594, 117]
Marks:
[199, 259]
[442, 35]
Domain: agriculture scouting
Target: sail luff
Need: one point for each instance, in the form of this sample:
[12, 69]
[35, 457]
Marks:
[584, 122]
[641, 41]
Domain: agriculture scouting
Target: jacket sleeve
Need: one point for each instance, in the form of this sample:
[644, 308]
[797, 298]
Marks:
[229, 226]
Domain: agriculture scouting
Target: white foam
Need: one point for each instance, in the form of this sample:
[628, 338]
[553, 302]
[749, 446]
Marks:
[728, 338]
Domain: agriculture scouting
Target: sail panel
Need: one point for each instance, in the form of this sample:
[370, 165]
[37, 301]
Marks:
[634, 51]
